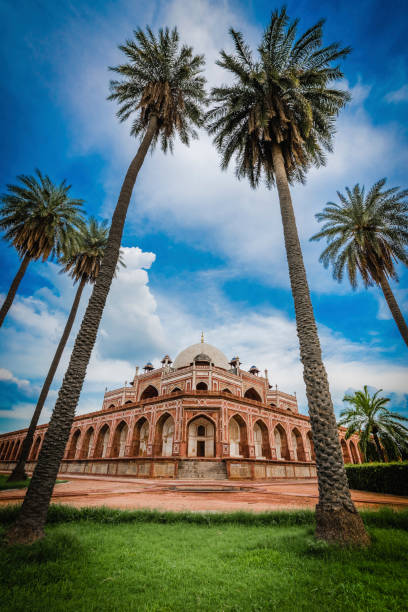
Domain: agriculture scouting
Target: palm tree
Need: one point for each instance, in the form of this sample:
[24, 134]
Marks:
[277, 119]
[161, 86]
[368, 416]
[39, 219]
[83, 265]
[368, 234]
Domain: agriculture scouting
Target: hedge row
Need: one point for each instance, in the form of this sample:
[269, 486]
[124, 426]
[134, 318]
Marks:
[379, 477]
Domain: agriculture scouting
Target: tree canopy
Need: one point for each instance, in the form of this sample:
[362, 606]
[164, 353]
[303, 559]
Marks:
[160, 79]
[367, 233]
[283, 96]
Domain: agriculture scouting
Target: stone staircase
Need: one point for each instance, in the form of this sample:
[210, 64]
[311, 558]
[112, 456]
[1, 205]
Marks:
[201, 470]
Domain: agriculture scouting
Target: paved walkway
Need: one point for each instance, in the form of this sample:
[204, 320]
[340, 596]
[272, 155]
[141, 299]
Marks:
[196, 495]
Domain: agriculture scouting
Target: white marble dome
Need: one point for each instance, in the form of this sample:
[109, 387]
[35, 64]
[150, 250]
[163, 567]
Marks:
[187, 356]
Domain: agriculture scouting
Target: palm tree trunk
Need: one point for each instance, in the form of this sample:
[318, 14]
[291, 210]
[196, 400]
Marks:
[30, 522]
[336, 516]
[395, 309]
[13, 288]
[379, 448]
[19, 471]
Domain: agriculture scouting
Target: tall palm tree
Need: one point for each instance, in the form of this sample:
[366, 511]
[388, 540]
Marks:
[161, 86]
[368, 234]
[82, 264]
[39, 219]
[277, 119]
[368, 416]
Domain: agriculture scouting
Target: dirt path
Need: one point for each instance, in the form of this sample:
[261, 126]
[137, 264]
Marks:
[196, 495]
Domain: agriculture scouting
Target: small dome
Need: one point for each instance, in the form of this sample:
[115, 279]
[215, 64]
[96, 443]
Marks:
[211, 354]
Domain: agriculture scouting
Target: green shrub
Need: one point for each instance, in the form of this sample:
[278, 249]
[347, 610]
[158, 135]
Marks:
[379, 477]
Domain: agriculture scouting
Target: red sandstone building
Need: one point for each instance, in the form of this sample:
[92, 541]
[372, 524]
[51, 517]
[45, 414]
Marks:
[199, 417]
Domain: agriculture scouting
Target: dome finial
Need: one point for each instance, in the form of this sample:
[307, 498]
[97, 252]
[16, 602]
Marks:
[202, 337]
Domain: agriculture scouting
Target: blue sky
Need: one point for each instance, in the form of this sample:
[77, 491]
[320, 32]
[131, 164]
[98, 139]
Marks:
[203, 251]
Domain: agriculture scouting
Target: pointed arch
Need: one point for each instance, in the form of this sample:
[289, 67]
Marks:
[36, 449]
[140, 438]
[176, 390]
[252, 394]
[119, 440]
[202, 386]
[345, 451]
[297, 444]
[226, 390]
[5, 449]
[149, 392]
[201, 437]
[10, 450]
[164, 435]
[261, 440]
[238, 436]
[74, 444]
[310, 443]
[281, 443]
[353, 452]
[102, 442]
[16, 449]
[87, 443]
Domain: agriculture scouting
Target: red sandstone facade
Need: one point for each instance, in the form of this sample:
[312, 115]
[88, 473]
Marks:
[199, 417]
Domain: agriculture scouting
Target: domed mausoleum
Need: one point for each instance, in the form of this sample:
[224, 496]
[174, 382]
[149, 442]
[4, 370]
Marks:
[201, 416]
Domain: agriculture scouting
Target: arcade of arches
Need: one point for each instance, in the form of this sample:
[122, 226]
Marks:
[201, 408]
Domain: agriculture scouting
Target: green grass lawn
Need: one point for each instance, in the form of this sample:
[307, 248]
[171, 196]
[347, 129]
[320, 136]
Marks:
[144, 565]
[22, 484]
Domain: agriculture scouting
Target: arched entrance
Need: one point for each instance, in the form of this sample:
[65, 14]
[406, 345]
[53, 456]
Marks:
[261, 441]
[140, 438]
[281, 443]
[36, 449]
[309, 441]
[202, 386]
[345, 451]
[297, 444]
[87, 443]
[238, 437]
[74, 444]
[16, 450]
[119, 440]
[10, 450]
[102, 441]
[164, 436]
[201, 438]
[353, 451]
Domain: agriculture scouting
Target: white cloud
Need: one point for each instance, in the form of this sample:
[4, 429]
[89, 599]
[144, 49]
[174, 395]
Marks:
[7, 376]
[398, 95]
[130, 327]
